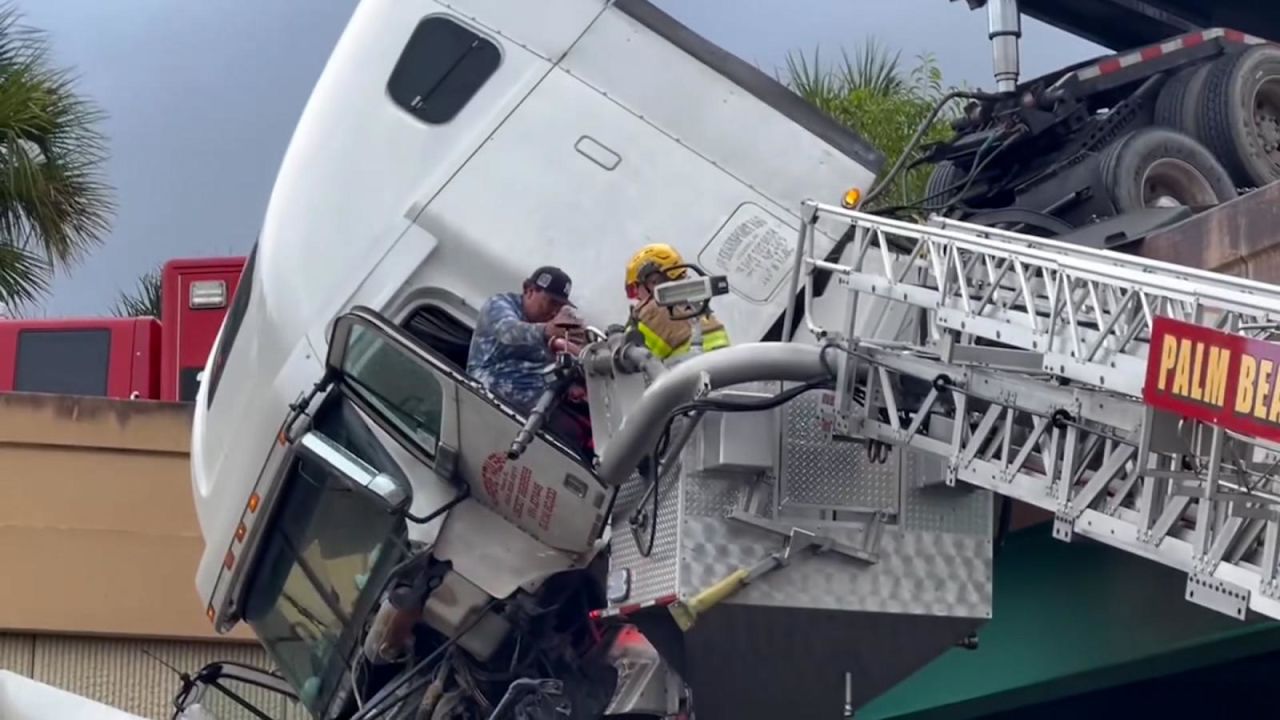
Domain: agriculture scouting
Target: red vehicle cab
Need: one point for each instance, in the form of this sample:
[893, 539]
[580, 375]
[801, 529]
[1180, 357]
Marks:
[195, 295]
[107, 357]
[126, 358]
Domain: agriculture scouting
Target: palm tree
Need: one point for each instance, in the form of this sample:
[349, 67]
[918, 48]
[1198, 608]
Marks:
[875, 94]
[143, 300]
[54, 203]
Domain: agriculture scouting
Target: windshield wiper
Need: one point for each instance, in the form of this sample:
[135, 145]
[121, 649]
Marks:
[235, 698]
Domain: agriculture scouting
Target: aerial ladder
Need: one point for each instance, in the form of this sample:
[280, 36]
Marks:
[1135, 400]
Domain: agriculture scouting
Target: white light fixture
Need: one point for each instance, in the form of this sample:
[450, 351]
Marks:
[208, 294]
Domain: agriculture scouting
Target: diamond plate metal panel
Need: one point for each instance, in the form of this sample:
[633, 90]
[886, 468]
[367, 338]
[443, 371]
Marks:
[922, 573]
[938, 563]
[681, 496]
[653, 576]
[832, 475]
[712, 497]
[962, 509]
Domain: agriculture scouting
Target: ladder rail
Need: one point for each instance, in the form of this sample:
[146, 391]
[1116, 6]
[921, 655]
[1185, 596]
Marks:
[1155, 277]
[958, 229]
[1054, 414]
[1165, 268]
[1105, 342]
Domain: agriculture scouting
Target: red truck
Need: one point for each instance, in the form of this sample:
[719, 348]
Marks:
[142, 358]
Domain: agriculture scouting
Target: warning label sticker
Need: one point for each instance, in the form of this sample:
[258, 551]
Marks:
[512, 490]
[754, 249]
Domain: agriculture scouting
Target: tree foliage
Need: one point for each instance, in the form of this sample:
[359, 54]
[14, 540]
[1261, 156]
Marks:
[143, 300]
[876, 94]
[54, 202]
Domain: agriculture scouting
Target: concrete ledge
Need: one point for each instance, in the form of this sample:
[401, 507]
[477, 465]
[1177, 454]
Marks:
[92, 422]
[1240, 238]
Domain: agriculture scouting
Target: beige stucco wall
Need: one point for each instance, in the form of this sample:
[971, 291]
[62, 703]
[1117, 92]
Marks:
[98, 532]
[98, 550]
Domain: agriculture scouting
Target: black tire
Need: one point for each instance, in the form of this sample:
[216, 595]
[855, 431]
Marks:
[1239, 114]
[1156, 166]
[1178, 106]
[941, 188]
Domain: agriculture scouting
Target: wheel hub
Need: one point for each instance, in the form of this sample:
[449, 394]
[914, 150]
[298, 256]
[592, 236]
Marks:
[1169, 182]
[1266, 117]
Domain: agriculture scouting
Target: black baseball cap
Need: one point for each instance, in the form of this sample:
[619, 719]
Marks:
[553, 281]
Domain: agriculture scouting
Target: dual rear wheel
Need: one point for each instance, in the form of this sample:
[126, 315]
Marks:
[1232, 107]
[1156, 167]
[1217, 128]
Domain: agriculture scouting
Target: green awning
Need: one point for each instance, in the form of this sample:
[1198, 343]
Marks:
[1071, 618]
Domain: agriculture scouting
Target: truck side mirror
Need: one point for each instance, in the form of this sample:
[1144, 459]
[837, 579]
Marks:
[355, 472]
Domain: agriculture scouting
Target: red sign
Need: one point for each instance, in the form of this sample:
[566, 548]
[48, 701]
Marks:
[1215, 377]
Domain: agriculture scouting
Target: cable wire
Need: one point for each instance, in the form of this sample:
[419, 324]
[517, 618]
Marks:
[383, 701]
[910, 148]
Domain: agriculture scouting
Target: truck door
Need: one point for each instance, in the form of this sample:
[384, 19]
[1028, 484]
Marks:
[546, 491]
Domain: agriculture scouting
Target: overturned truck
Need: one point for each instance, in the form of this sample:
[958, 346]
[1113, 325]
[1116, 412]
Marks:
[778, 529]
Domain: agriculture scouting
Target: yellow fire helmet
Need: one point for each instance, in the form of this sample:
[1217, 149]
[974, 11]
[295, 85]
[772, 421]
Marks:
[655, 257]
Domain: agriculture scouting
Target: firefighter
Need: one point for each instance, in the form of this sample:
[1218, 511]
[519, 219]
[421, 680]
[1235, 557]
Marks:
[669, 339]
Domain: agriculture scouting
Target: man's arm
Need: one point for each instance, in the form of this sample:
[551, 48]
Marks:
[510, 329]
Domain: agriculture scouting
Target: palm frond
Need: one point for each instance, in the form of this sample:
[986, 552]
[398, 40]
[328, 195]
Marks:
[874, 70]
[875, 94]
[144, 300]
[807, 79]
[24, 276]
[54, 201]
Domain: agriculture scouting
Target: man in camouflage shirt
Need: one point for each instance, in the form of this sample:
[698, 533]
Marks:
[510, 346]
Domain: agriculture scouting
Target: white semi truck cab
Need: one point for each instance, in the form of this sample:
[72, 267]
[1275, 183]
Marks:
[448, 149]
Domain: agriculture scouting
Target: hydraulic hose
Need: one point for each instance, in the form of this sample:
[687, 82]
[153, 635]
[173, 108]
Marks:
[734, 365]
[909, 150]
[783, 326]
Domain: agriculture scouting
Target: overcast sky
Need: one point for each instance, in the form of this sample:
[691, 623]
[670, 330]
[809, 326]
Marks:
[203, 96]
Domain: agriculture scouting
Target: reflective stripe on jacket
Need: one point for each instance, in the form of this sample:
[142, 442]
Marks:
[668, 339]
